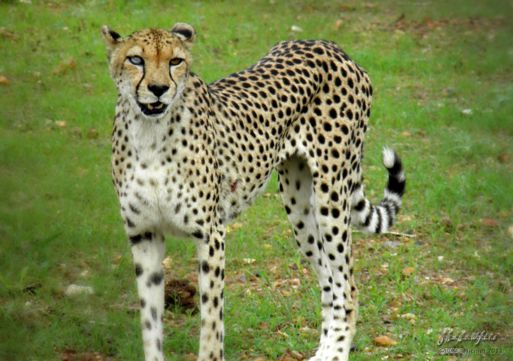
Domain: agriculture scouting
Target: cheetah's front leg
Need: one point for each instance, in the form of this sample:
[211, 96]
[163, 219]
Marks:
[148, 252]
[211, 285]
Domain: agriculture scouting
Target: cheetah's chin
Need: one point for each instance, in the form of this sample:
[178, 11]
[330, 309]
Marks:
[152, 109]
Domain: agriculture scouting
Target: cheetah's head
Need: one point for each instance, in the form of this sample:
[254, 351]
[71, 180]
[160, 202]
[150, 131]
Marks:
[150, 67]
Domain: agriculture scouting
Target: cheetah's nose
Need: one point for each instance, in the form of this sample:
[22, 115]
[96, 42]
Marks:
[158, 90]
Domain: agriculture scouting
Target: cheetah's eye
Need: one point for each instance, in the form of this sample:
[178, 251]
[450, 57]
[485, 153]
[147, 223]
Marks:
[136, 60]
[175, 61]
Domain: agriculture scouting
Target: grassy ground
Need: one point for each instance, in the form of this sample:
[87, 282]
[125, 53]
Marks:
[443, 74]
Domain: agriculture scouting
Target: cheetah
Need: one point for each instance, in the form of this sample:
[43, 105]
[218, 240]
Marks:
[188, 157]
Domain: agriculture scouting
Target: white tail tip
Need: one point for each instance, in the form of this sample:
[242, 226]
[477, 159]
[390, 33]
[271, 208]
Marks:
[388, 157]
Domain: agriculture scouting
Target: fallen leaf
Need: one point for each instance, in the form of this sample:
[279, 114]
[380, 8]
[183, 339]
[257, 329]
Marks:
[467, 111]
[72, 355]
[384, 341]
[7, 34]
[489, 222]
[296, 29]
[408, 316]
[61, 123]
[4, 80]
[338, 24]
[92, 133]
[308, 330]
[503, 158]
[117, 259]
[510, 231]
[407, 271]
[65, 66]
[167, 263]
[345, 7]
[447, 280]
[291, 356]
[190, 357]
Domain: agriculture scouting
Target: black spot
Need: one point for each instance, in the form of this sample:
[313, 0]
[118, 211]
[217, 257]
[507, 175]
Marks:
[153, 311]
[205, 267]
[156, 278]
[135, 239]
[324, 188]
[138, 269]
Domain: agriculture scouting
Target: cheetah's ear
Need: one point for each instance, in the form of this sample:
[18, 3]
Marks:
[184, 32]
[111, 37]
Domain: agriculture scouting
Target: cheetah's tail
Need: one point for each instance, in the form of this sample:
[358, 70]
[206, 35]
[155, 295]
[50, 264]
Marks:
[378, 218]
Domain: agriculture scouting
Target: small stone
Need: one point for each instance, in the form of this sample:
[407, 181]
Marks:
[391, 244]
[76, 290]
[296, 29]
[466, 111]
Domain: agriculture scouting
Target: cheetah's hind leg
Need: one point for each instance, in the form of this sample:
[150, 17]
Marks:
[295, 182]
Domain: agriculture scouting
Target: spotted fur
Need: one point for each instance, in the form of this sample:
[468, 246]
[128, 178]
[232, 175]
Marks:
[188, 157]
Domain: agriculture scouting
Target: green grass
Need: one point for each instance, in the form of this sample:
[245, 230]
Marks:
[59, 218]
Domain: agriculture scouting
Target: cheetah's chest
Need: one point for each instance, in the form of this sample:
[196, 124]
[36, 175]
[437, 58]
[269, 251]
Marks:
[153, 199]
[152, 192]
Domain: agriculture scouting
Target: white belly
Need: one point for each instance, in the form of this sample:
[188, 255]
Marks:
[154, 196]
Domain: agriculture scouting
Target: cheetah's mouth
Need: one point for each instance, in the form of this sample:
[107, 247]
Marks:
[152, 109]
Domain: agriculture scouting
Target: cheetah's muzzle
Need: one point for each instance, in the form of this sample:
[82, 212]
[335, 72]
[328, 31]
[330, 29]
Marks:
[152, 109]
